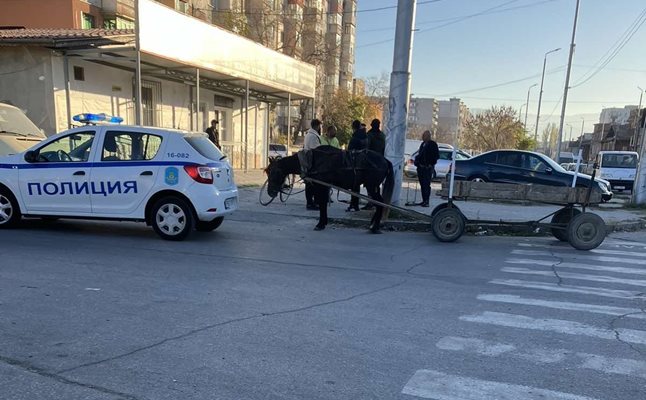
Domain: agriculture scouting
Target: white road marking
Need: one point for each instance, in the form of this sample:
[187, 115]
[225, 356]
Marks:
[437, 385]
[607, 365]
[584, 277]
[606, 244]
[562, 305]
[579, 256]
[620, 270]
[619, 252]
[556, 325]
[595, 291]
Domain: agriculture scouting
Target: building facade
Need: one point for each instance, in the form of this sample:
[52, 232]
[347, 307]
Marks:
[55, 73]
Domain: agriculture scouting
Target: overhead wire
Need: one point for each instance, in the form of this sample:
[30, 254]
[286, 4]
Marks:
[614, 50]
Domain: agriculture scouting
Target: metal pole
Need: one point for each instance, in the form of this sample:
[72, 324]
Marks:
[567, 81]
[520, 112]
[639, 107]
[246, 126]
[639, 187]
[138, 106]
[540, 96]
[68, 101]
[527, 103]
[267, 131]
[581, 137]
[400, 91]
[197, 100]
[289, 121]
[255, 135]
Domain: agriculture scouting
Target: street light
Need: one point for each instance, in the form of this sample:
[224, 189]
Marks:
[540, 95]
[527, 108]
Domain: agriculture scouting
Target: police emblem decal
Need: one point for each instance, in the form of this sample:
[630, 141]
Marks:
[171, 176]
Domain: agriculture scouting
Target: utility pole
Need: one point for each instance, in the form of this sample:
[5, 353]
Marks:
[639, 107]
[400, 91]
[527, 103]
[639, 187]
[540, 96]
[138, 105]
[567, 81]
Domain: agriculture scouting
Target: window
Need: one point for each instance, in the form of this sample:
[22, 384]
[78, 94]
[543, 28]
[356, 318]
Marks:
[205, 147]
[181, 6]
[79, 73]
[87, 21]
[510, 159]
[118, 23]
[130, 146]
[71, 148]
[534, 163]
[619, 161]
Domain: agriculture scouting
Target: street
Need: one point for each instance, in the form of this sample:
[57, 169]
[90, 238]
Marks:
[265, 308]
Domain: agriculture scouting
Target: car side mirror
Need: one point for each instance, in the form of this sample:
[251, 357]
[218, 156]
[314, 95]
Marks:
[31, 156]
[548, 171]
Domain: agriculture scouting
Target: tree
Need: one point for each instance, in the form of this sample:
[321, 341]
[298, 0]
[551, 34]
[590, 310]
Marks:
[497, 128]
[549, 138]
[343, 108]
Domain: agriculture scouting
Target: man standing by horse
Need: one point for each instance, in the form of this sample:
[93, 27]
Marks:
[312, 140]
[376, 143]
[425, 161]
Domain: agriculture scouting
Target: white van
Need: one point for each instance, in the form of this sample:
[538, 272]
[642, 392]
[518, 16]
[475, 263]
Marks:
[619, 168]
[17, 132]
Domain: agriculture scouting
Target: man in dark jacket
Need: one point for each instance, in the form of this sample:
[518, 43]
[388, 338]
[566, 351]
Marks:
[213, 133]
[376, 138]
[359, 139]
[425, 161]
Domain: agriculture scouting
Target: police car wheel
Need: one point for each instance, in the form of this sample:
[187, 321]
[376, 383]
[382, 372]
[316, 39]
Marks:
[9, 210]
[172, 218]
[208, 226]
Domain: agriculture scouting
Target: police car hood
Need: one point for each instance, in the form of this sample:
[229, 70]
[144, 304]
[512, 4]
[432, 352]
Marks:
[11, 159]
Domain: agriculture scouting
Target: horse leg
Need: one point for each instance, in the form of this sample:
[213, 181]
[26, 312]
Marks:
[375, 222]
[321, 195]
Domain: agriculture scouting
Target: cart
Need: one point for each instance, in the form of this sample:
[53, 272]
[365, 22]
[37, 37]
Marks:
[571, 222]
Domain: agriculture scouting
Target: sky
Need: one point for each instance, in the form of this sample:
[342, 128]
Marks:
[474, 58]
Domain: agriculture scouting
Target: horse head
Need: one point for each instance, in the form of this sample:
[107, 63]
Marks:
[275, 178]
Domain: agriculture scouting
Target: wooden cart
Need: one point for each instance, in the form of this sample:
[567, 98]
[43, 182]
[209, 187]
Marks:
[571, 223]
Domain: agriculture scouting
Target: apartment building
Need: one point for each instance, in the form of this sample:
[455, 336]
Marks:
[320, 32]
[441, 117]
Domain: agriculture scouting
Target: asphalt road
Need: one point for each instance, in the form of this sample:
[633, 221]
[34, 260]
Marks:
[265, 308]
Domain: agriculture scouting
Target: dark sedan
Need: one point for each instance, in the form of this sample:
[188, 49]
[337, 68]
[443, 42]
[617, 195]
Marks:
[522, 167]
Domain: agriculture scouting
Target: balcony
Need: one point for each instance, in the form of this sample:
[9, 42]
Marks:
[119, 8]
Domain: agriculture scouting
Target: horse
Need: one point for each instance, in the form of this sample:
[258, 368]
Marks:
[345, 169]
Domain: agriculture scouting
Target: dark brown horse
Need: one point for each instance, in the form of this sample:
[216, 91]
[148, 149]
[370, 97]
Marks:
[340, 168]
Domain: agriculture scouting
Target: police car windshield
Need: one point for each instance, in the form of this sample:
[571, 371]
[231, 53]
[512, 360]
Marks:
[205, 147]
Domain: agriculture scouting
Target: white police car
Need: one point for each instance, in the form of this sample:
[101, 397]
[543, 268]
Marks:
[174, 180]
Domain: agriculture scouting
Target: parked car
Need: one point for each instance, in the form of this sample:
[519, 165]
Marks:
[17, 132]
[277, 151]
[583, 168]
[442, 166]
[523, 167]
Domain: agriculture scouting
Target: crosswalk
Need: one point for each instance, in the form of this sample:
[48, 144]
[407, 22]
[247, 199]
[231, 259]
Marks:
[549, 307]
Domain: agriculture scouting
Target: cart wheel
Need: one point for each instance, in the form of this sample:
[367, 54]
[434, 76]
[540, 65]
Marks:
[448, 225]
[563, 217]
[586, 231]
[444, 206]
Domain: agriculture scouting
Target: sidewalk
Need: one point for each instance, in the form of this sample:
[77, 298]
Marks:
[249, 183]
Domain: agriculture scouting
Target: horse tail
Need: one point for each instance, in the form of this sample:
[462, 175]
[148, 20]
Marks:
[389, 186]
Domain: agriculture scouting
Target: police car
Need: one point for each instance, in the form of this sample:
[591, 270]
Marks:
[176, 181]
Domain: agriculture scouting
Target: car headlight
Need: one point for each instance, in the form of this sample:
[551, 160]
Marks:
[602, 186]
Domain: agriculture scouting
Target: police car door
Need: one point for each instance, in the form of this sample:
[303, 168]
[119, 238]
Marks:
[125, 171]
[55, 181]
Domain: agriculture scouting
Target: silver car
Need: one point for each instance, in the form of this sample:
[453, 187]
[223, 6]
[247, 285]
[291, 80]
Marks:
[442, 166]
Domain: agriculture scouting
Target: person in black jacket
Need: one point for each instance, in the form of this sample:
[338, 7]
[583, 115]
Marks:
[376, 138]
[425, 161]
[213, 133]
[358, 142]
[359, 139]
